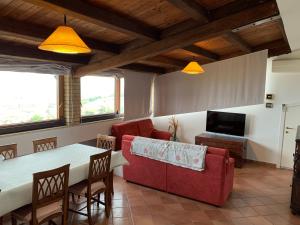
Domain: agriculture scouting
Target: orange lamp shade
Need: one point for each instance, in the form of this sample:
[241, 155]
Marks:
[64, 40]
[193, 68]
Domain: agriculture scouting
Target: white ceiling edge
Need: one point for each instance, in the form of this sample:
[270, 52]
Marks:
[289, 11]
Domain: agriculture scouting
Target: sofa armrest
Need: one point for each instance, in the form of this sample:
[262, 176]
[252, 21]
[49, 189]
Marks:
[163, 135]
[229, 165]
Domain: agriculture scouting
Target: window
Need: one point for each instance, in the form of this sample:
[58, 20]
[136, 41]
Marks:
[27, 98]
[99, 97]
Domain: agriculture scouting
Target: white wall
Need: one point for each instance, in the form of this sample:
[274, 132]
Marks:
[263, 125]
[65, 135]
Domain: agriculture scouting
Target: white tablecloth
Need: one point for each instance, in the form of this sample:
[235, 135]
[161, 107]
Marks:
[16, 174]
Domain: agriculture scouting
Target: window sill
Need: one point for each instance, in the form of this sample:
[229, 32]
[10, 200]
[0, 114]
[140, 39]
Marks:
[18, 128]
[95, 118]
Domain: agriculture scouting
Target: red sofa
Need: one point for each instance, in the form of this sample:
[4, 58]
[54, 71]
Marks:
[213, 185]
[143, 128]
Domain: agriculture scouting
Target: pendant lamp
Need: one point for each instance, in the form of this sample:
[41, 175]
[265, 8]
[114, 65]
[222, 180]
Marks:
[64, 40]
[193, 68]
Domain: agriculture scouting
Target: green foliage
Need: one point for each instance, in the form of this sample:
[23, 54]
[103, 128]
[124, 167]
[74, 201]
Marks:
[36, 118]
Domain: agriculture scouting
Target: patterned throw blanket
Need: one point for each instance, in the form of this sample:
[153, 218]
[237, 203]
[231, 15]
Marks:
[176, 153]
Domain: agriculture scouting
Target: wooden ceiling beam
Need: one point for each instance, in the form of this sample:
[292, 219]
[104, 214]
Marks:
[234, 7]
[193, 9]
[144, 68]
[37, 33]
[238, 41]
[29, 53]
[200, 51]
[218, 13]
[82, 10]
[275, 48]
[166, 61]
[199, 33]
[282, 30]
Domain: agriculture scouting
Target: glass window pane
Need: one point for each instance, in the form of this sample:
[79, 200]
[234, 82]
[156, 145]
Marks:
[122, 86]
[27, 97]
[97, 95]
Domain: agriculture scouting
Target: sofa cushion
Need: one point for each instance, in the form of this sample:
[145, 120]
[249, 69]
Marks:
[145, 127]
[118, 130]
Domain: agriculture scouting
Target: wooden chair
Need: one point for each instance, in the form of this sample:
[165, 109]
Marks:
[96, 184]
[44, 144]
[49, 198]
[8, 151]
[109, 143]
[106, 142]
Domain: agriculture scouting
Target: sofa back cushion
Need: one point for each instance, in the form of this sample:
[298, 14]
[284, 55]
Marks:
[118, 130]
[145, 127]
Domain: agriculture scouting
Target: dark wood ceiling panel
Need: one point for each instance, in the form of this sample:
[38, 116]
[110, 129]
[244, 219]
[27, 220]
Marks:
[23, 11]
[261, 34]
[218, 45]
[212, 4]
[156, 13]
[166, 18]
[187, 56]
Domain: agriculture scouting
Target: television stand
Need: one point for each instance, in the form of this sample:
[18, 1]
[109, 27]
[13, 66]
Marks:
[237, 146]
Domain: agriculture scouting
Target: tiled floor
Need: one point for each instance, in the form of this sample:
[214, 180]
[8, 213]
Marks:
[261, 197]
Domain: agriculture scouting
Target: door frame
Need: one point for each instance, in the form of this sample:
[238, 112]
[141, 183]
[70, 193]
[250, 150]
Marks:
[282, 129]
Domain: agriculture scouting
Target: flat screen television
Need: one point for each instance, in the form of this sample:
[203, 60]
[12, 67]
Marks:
[226, 123]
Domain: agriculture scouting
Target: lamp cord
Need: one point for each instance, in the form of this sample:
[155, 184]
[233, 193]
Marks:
[65, 20]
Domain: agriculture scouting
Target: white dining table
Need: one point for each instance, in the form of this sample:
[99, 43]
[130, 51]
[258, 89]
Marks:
[16, 175]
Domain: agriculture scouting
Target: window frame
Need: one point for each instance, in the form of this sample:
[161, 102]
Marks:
[107, 116]
[60, 121]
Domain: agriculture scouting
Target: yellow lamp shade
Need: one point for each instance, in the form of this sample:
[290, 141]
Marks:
[64, 40]
[193, 68]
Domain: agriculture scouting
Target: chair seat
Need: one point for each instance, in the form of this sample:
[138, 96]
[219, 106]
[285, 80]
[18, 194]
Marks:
[81, 188]
[25, 213]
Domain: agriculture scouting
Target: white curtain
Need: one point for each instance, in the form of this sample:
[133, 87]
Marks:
[137, 94]
[229, 83]
[20, 65]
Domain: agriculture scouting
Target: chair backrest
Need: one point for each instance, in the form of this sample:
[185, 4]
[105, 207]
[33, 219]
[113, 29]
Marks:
[99, 166]
[49, 187]
[106, 142]
[8, 151]
[44, 144]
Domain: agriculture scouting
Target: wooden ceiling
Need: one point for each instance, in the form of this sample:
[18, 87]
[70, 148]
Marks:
[145, 35]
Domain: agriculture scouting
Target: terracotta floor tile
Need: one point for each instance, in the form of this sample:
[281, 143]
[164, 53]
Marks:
[198, 216]
[122, 221]
[241, 221]
[239, 202]
[140, 210]
[231, 213]
[190, 206]
[215, 215]
[143, 220]
[204, 223]
[264, 210]
[121, 212]
[259, 220]
[253, 201]
[119, 203]
[247, 211]
[277, 220]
